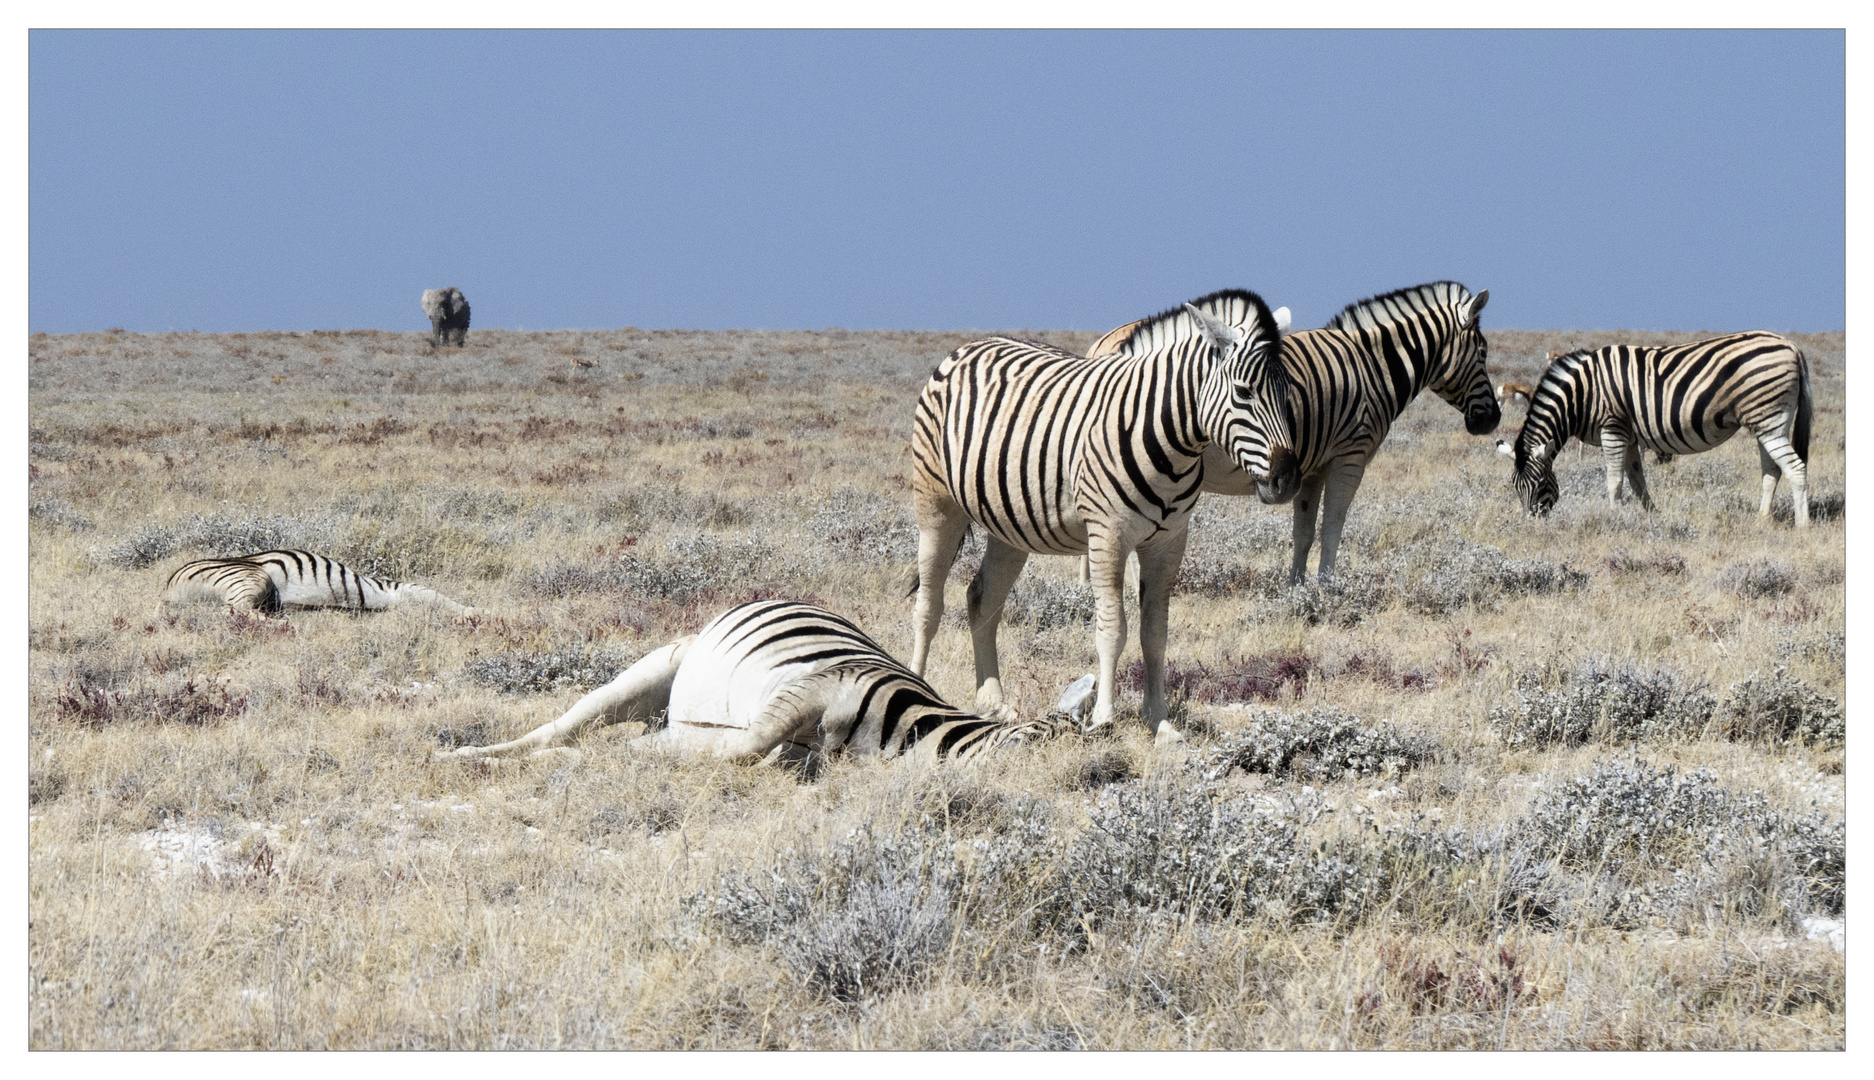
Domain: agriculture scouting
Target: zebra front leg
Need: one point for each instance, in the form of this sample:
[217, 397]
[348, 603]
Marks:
[988, 591]
[640, 693]
[1614, 450]
[1342, 482]
[941, 525]
[1307, 507]
[1158, 569]
[1106, 564]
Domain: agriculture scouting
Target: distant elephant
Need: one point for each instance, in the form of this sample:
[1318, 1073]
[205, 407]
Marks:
[448, 313]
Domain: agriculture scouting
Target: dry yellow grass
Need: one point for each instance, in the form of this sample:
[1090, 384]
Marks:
[237, 838]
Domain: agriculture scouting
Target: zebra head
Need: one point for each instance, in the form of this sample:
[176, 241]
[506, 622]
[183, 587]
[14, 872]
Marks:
[1534, 472]
[1243, 405]
[1459, 376]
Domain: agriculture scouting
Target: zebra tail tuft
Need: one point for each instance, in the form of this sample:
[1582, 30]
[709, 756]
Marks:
[1805, 409]
[905, 582]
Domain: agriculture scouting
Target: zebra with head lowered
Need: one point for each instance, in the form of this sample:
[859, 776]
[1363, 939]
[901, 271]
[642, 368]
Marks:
[778, 681]
[272, 580]
[1348, 382]
[1052, 453]
[1679, 400]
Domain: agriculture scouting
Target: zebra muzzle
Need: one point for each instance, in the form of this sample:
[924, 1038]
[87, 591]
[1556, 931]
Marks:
[1284, 478]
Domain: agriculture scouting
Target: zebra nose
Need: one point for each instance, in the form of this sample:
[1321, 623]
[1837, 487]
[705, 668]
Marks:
[1484, 419]
[1284, 478]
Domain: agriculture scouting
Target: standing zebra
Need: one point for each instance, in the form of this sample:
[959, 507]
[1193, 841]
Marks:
[1680, 400]
[1349, 381]
[1057, 454]
[772, 681]
[271, 580]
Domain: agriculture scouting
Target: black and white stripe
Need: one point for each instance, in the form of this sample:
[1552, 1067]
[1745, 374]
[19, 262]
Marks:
[272, 580]
[1051, 453]
[780, 680]
[1348, 382]
[1684, 399]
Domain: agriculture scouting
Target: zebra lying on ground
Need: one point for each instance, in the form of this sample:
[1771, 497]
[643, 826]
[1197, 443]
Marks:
[1057, 454]
[1349, 381]
[777, 681]
[448, 313]
[271, 580]
[1680, 400]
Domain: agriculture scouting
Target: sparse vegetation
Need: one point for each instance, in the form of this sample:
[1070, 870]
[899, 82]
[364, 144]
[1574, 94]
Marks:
[1407, 813]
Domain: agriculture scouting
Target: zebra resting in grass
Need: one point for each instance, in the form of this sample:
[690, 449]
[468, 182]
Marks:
[448, 313]
[1349, 381]
[1057, 454]
[272, 580]
[777, 681]
[1684, 399]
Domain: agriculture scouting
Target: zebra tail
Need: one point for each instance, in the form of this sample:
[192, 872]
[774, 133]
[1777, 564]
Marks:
[1805, 410]
[905, 582]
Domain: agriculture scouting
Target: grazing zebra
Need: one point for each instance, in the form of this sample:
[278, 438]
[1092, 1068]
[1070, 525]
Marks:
[271, 580]
[1057, 454]
[777, 681]
[1349, 381]
[448, 313]
[1679, 400]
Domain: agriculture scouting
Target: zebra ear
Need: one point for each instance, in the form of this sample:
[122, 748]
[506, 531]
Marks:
[1476, 305]
[1540, 453]
[1282, 319]
[1221, 334]
[1504, 449]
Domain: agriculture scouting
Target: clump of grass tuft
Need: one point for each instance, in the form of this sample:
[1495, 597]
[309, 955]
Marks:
[177, 698]
[1318, 745]
[1757, 579]
[1605, 702]
[1272, 676]
[1046, 604]
[869, 915]
[1780, 707]
[539, 672]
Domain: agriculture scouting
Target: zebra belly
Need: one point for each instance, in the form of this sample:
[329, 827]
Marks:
[705, 696]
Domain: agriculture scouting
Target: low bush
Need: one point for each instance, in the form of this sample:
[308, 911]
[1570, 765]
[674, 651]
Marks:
[1317, 745]
[1603, 702]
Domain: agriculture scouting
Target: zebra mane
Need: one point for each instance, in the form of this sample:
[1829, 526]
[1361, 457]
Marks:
[1385, 309]
[1238, 307]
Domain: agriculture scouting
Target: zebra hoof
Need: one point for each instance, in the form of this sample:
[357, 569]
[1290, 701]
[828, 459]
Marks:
[1167, 736]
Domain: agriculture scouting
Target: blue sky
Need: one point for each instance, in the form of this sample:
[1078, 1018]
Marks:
[224, 181]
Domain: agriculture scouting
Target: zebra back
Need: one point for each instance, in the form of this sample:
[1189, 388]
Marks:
[1031, 440]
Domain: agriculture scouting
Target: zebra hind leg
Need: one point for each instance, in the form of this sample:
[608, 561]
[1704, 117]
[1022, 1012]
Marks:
[1636, 477]
[642, 692]
[941, 526]
[1777, 457]
[988, 592]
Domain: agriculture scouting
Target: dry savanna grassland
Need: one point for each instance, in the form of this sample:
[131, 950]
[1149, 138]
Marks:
[1562, 783]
